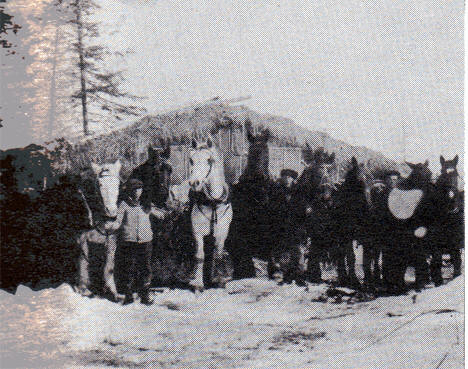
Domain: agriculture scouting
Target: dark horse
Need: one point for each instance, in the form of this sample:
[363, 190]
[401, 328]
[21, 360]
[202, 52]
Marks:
[250, 231]
[449, 231]
[155, 173]
[349, 218]
[313, 199]
[376, 233]
[415, 211]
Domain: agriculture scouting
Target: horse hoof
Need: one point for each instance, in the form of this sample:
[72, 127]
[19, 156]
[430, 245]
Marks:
[85, 292]
[196, 289]
[114, 297]
[301, 283]
[220, 284]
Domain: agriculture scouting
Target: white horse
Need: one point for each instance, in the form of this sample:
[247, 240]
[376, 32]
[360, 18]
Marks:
[106, 192]
[212, 211]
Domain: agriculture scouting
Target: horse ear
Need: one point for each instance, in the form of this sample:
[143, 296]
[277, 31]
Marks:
[118, 165]
[354, 161]
[411, 165]
[455, 160]
[96, 168]
[426, 163]
[266, 134]
[442, 160]
[209, 142]
[332, 157]
[194, 143]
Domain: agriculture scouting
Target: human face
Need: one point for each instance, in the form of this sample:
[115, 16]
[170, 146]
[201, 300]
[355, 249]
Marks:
[392, 181]
[288, 181]
[136, 193]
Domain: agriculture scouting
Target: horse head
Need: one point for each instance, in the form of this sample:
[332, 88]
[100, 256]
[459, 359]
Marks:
[356, 173]
[205, 163]
[448, 171]
[447, 185]
[108, 180]
[419, 177]
[156, 157]
[258, 155]
[318, 172]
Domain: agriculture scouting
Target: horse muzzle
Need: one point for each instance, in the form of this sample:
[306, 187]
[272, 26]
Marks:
[196, 185]
[111, 213]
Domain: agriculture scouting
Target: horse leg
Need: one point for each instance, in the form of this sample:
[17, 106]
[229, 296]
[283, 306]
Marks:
[351, 261]
[83, 267]
[341, 265]
[421, 265]
[301, 264]
[378, 269]
[389, 267]
[242, 257]
[197, 281]
[436, 267]
[456, 260]
[273, 266]
[314, 273]
[368, 255]
[220, 272]
[109, 282]
[219, 267]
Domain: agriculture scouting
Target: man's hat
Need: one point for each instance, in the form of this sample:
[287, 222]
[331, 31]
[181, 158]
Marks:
[134, 184]
[289, 173]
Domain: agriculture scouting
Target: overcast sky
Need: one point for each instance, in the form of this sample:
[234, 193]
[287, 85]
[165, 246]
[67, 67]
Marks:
[387, 74]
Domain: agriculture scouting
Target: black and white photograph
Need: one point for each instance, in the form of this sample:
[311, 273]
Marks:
[232, 184]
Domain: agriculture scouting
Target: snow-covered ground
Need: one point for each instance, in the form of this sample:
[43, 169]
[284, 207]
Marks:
[252, 323]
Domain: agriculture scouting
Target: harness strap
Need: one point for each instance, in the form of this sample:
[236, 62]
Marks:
[91, 219]
[223, 199]
[214, 214]
[90, 213]
[214, 219]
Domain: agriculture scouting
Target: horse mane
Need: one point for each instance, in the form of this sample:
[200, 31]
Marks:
[413, 182]
[309, 181]
[218, 166]
[218, 161]
[253, 172]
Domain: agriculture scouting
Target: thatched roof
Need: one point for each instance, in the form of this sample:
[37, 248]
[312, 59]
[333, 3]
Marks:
[179, 126]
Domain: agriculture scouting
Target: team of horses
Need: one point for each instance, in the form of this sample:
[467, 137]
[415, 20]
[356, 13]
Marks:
[321, 221]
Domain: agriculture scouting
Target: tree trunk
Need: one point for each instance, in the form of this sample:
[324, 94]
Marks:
[82, 66]
[53, 98]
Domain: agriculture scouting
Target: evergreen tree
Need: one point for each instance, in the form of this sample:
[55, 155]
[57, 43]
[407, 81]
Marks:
[99, 94]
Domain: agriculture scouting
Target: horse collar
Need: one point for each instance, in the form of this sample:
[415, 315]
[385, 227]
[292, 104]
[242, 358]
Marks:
[213, 201]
